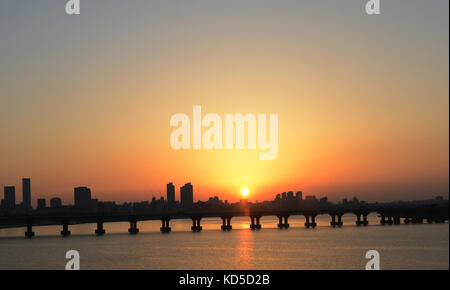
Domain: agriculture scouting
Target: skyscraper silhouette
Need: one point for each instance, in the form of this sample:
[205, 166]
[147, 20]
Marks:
[82, 197]
[26, 193]
[170, 193]
[187, 195]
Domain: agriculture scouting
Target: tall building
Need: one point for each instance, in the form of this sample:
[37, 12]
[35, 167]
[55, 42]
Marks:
[9, 202]
[170, 193]
[82, 197]
[187, 195]
[55, 202]
[290, 195]
[41, 203]
[299, 195]
[26, 193]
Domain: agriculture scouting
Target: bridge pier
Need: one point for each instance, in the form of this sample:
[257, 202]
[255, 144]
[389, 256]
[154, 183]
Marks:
[196, 227]
[286, 224]
[333, 222]
[309, 224]
[226, 224]
[133, 227]
[253, 225]
[100, 231]
[383, 220]
[336, 223]
[281, 224]
[358, 219]
[364, 221]
[165, 228]
[339, 222]
[29, 233]
[396, 220]
[389, 221]
[65, 231]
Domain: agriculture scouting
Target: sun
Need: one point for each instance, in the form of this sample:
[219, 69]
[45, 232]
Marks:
[244, 191]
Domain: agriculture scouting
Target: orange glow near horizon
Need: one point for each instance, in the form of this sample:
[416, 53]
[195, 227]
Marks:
[362, 111]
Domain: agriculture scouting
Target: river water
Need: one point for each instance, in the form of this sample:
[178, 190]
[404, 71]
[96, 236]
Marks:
[400, 246]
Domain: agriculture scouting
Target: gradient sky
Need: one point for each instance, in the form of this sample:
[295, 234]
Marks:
[363, 101]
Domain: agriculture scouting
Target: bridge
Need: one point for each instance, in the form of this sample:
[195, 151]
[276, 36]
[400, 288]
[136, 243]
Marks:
[389, 215]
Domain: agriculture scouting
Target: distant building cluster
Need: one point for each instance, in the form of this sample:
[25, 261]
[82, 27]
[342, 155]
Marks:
[9, 201]
[83, 202]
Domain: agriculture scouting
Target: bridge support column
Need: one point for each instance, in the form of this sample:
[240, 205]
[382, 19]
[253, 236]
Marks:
[283, 221]
[365, 222]
[358, 219]
[333, 220]
[65, 231]
[309, 224]
[383, 220]
[29, 233]
[226, 224]
[100, 231]
[165, 228]
[286, 224]
[396, 220]
[133, 227]
[196, 227]
[389, 221]
[339, 222]
[280, 222]
[255, 225]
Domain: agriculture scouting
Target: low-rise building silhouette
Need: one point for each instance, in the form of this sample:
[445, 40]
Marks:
[9, 201]
[55, 202]
[41, 203]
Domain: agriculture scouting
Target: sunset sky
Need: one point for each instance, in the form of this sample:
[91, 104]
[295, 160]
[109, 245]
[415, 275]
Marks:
[363, 101]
